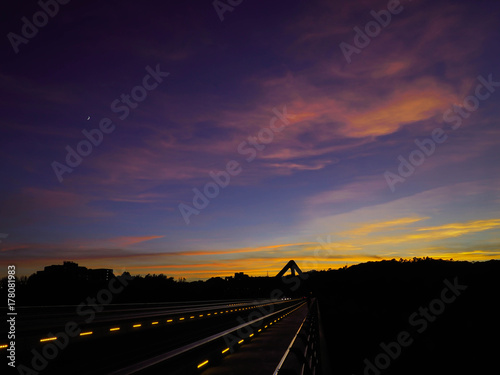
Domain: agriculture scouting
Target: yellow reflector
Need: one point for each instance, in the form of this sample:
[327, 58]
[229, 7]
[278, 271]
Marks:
[136, 325]
[203, 363]
[239, 342]
[154, 323]
[225, 350]
[4, 346]
[251, 335]
[170, 320]
[48, 339]
[85, 333]
[201, 315]
[181, 318]
[115, 329]
[191, 317]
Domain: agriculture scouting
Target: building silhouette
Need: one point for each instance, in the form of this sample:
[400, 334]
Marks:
[71, 271]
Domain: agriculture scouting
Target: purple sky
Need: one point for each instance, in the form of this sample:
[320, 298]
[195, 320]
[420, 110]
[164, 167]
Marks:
[320, 186]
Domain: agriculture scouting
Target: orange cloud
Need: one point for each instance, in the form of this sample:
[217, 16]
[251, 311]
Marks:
[407, 106]
[238, 250]
[368, 228]
[436, 233]
[458, 229]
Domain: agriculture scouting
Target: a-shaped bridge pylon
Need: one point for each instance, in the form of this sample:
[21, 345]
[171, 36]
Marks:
[292, 266]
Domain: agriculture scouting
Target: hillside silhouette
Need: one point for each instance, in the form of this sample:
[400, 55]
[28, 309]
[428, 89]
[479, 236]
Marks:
[369, 304]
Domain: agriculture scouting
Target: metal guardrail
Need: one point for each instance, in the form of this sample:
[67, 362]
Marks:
[306, 354]
[199, 354]
[128, 322]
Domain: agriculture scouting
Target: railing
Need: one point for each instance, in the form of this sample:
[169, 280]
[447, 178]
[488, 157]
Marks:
[306, 354]
[133, 319]
[196, 356]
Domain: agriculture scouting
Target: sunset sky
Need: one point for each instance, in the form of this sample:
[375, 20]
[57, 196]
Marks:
[328, 129]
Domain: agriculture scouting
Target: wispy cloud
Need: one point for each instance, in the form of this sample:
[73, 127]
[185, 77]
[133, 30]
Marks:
[127, 241]
[368, 228]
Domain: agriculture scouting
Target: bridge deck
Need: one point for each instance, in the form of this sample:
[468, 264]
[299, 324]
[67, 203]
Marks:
[262, 354]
